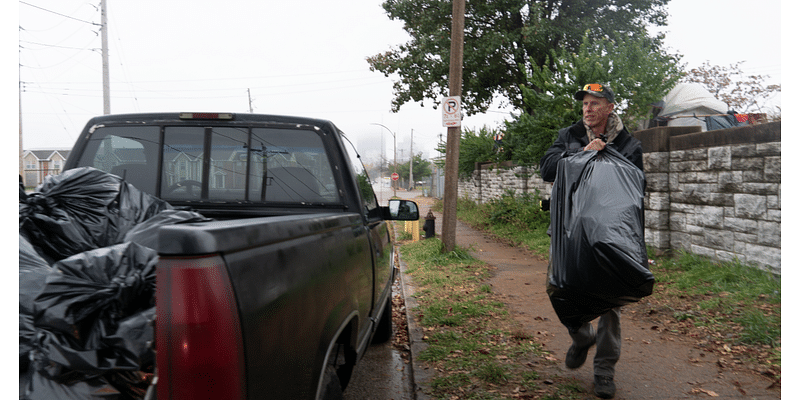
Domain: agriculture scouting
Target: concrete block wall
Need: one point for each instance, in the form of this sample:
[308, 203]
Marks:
[491, 181]
[715, 193]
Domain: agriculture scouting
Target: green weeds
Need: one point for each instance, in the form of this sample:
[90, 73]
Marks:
[518, 219]
[725, 293]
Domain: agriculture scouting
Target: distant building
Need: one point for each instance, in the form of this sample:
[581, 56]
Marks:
[39, 163]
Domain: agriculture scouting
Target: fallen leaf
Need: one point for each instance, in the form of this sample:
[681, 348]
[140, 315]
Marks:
[708, 392]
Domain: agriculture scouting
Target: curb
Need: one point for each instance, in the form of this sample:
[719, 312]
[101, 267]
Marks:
[420, 374]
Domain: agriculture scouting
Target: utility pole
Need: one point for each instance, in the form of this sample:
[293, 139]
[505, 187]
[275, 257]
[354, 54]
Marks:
[411, 163]
[453, 133]
[104, 39]
[394, 137]
[250, 100]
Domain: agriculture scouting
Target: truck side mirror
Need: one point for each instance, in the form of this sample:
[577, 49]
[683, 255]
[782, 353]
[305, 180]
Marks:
[401, 210]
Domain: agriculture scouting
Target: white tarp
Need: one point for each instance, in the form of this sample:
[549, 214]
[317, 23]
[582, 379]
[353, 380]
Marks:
[687, 100]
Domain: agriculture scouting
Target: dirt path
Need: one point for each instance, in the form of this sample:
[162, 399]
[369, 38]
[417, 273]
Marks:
[654, 364]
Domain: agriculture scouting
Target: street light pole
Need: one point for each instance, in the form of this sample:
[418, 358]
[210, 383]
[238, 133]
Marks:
[395, 153]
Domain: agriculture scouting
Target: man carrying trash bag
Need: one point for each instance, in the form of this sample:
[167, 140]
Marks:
[598, 258]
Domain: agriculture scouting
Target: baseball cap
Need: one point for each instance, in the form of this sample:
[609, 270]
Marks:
[597, 90]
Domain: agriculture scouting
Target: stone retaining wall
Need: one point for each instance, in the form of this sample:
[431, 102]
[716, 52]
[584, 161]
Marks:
[714, 193]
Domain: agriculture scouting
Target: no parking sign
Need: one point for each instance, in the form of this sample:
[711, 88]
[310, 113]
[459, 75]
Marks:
[451, 111]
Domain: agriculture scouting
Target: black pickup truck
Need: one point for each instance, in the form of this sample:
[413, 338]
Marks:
[280, 294]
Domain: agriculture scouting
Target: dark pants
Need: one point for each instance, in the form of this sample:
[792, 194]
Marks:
[609, 341]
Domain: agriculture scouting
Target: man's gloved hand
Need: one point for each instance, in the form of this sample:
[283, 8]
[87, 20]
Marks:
[597, 144]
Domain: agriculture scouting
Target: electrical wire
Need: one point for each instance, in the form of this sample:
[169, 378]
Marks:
[59, 14]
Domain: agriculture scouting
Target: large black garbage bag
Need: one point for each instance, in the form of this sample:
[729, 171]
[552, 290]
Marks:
[146, 233]
[100, 286]
[83, 209]
[60, 372]
[598, 256]
[33, 272]
[92, 330]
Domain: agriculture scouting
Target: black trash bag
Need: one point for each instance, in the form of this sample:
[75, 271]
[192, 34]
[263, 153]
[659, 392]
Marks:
[92, 331]
[27, 340]
[57, 371]
[33, 272]
[146, 233]
[89, 293]
[598, 256]
[34, 385]
[83, 209]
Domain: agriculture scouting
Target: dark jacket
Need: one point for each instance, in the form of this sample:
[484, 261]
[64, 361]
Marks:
[573, 139]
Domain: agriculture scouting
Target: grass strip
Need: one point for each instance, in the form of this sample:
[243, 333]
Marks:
[476, 348]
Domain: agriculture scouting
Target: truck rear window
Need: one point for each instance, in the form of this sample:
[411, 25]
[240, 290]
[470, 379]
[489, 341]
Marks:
[218, 163]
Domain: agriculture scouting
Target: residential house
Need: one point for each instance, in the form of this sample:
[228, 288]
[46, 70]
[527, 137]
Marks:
[40, 163]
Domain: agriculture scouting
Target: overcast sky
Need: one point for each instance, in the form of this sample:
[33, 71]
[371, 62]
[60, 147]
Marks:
[304, 57]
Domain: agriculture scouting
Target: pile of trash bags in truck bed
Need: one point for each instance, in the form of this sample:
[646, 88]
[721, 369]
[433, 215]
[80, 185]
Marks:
[87, 281]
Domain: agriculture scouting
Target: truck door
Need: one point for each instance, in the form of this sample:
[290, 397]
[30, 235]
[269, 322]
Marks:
[380, 240]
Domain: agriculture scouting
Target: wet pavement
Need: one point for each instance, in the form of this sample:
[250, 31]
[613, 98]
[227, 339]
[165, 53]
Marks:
[381, 374]
[384, 372]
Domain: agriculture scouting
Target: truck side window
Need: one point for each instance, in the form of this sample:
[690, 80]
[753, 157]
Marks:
[362, 179]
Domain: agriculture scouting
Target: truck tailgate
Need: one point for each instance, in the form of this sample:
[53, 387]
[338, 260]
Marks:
[295, 279]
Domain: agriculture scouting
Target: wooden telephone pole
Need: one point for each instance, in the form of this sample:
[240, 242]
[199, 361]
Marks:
[453, 132]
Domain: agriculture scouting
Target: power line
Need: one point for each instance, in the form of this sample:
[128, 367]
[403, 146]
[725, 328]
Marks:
[59, 14]
[52, 45]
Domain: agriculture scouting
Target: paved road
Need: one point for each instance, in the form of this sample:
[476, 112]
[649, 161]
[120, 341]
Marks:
[381, 374]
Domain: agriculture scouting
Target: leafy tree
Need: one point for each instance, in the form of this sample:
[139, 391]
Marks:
[475, 146]
[422, 168]
[636, 68]
[730, 84]
[504, 40]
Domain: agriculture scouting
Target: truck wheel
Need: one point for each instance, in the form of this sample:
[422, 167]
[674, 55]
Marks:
[331, 388]
[384, 330]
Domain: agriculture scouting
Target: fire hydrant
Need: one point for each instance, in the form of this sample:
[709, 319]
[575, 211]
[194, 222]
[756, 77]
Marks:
[430, 225]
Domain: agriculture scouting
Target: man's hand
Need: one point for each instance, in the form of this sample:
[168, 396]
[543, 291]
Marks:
[597, 144]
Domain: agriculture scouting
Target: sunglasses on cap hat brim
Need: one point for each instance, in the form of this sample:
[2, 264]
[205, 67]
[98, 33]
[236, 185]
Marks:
[594, 87]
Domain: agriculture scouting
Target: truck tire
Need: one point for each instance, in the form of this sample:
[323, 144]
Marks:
[331, 387]
[383, 331]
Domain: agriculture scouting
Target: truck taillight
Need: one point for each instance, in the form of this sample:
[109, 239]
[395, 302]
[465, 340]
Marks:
[198, 335]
